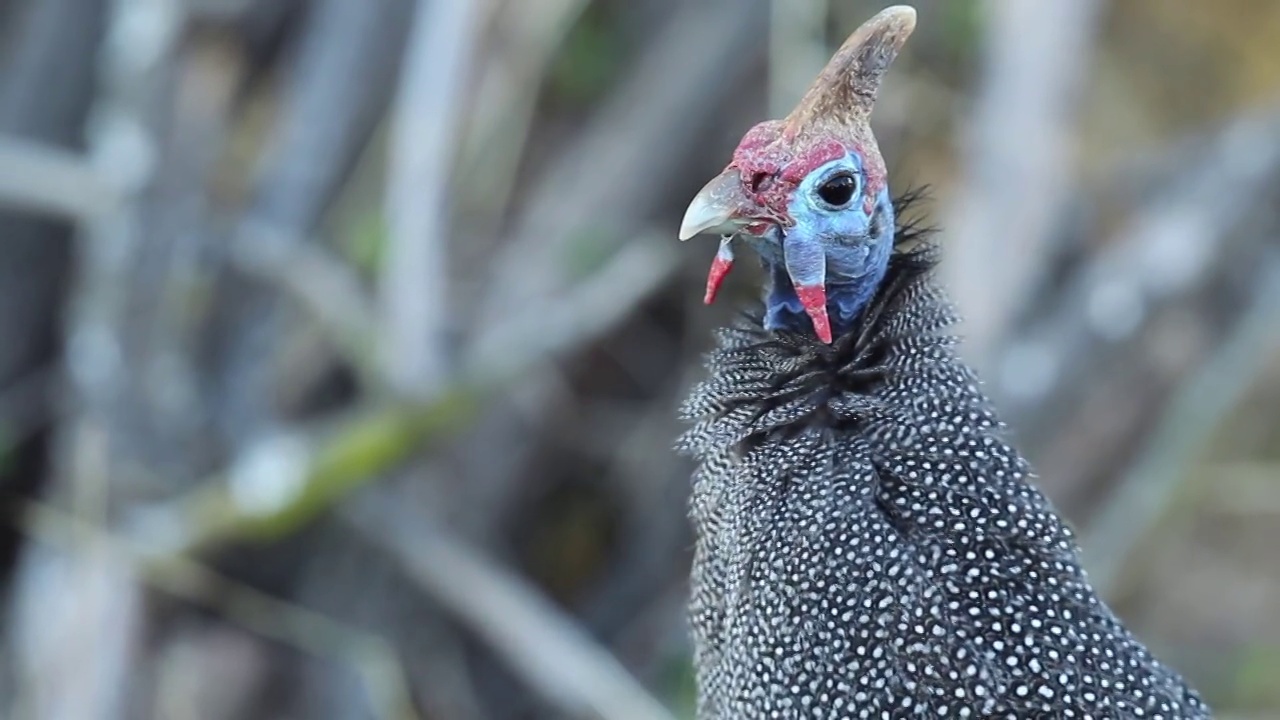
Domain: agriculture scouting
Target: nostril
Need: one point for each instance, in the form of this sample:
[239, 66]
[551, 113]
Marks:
[758, 181]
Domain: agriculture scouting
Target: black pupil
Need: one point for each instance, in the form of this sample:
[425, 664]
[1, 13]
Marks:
[838, 190]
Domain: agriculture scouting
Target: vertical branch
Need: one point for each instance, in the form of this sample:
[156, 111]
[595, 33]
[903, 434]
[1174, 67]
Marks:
[1196, 410]
[1094, 342]
[1018, 152]
[506, 96]
[46, 87]
[79, 617]
[423, 133]
[337, 94]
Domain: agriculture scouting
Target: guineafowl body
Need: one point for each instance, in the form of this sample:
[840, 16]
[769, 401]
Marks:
[868, 544]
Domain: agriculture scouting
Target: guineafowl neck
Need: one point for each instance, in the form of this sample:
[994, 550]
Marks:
[846, 298]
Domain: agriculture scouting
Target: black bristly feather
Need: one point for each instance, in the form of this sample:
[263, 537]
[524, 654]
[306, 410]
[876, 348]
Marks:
[852, 364]
[870, 546]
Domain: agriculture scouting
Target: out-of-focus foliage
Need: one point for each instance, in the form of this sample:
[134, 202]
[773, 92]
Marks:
[229, 503]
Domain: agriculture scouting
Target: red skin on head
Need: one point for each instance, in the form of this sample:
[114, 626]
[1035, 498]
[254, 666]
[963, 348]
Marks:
[772, 165]
[771, 168]
[832, 120]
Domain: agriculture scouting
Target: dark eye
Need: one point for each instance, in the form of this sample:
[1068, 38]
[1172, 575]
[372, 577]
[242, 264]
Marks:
[839, 190]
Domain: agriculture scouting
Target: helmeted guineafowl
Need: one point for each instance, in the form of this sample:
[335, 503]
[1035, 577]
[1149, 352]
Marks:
[868, 544]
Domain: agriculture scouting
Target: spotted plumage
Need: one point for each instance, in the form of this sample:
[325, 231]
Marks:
[869, 544]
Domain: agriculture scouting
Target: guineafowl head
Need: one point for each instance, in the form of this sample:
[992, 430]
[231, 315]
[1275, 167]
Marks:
[809, 192]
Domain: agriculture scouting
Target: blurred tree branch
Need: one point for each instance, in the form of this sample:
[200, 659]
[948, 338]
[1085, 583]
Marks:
[1019, 161]
[320, 282]
[425, 119]
[676, 86]
[80, 618]
[546, 648]
[47, 73]
[506, 95]
[1196, 410]
[1097, 328]
[371, 657]
[539, 439]
[46, 180]
[317, 471]
[285, 480]
[338, 91]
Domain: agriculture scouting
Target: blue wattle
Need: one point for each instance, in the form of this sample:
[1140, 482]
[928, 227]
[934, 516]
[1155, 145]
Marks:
[855, 262]
[845, 298]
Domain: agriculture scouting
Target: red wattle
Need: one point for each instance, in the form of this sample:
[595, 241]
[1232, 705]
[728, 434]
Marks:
[720, 267]
[814, 299]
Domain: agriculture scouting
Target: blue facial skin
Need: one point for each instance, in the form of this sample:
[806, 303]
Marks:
[856, 245]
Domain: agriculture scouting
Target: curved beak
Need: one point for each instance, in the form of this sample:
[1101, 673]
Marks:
[720, 207]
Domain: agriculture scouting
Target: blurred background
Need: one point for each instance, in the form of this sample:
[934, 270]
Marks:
[340, 340]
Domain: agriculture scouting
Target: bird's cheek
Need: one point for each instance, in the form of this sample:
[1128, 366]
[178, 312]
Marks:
[848, 262]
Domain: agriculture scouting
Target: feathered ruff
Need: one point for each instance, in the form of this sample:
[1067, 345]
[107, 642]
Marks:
[762, 381]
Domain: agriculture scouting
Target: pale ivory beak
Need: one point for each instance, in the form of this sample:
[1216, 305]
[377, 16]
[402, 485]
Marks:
[720, 207]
